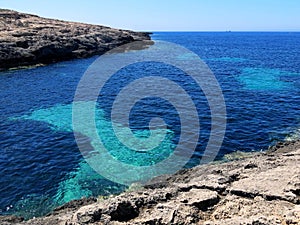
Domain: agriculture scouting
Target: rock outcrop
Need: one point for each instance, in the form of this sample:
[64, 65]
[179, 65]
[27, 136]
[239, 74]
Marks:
[262, 189]
[29, 39]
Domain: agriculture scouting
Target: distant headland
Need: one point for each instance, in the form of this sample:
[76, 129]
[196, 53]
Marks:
[27, 39]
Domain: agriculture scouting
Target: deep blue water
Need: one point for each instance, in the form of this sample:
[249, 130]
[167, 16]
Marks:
[41, 166]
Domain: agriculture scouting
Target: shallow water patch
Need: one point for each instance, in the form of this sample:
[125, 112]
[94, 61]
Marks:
[265, 79]
[84, 181]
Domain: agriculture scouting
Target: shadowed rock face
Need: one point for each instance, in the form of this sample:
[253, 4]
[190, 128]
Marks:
[29, 39]
[262, 188]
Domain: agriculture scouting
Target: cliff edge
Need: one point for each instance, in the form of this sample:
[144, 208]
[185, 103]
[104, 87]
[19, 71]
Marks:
[27, 39]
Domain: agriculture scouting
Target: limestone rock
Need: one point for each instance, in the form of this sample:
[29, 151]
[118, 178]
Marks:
[231, 193]
[29, 39]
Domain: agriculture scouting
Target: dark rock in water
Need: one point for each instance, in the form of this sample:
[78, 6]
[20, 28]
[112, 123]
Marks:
[29, 39]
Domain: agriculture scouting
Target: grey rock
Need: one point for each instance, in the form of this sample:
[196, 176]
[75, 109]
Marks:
[6, 220]
[215, 194]
[29, 40]
[203, 199]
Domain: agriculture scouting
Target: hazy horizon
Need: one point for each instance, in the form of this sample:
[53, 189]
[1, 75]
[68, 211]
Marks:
[156, 16]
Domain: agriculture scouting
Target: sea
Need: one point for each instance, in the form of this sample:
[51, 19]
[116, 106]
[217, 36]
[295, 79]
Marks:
[41, 165]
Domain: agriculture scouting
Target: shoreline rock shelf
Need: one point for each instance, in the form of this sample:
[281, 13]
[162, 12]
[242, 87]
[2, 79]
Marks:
[261, 188]
[27, 39]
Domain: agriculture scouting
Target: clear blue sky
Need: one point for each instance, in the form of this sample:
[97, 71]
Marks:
[171, 15]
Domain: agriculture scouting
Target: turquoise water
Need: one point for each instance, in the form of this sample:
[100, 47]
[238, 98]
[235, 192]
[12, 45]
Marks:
[265, 79]
[41, 165]
[59, 118]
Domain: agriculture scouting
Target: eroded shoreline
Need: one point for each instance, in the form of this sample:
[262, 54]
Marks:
[263, 188]
[27, 40]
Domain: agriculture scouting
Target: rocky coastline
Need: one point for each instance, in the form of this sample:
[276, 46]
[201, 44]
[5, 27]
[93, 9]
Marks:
[27, 39]
[258, 189]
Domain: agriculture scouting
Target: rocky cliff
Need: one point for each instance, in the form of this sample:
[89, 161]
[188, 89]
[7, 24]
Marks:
[29, 39]
[259, 189]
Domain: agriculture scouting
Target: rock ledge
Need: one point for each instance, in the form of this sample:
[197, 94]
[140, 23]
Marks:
[27, 39]
[260, 189]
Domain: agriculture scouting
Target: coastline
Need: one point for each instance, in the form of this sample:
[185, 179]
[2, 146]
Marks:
[262, 188]
[28, 40]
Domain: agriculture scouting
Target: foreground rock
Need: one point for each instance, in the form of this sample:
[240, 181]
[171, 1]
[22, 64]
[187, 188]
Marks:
[28, 39]
[262, 189]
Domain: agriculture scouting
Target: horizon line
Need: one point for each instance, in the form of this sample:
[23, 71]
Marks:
[293, 30]
[222, 31]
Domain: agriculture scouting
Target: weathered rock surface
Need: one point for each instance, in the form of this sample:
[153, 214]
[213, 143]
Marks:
[28, 39]
[262, 189]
